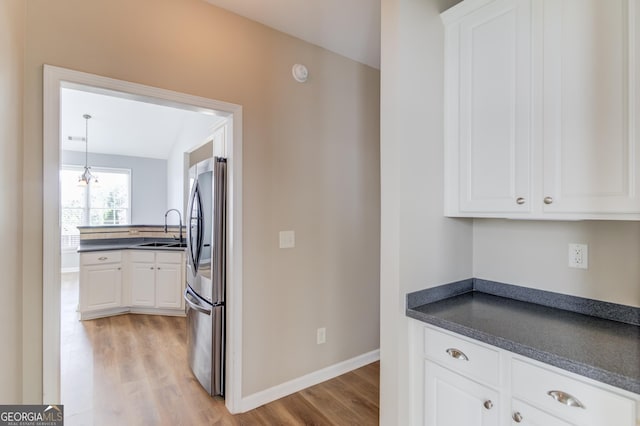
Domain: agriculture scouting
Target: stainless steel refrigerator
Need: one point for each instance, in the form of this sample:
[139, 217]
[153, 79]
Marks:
[205, 290]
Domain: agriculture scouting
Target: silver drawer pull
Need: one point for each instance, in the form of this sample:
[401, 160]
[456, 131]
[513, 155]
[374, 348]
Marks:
[548, 200]
[520, 200]
[488, 404]
[517, 417]
[103, 258]
[565, 398]
[457, 354]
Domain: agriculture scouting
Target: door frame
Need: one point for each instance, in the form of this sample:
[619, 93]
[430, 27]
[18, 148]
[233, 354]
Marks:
[55, 78]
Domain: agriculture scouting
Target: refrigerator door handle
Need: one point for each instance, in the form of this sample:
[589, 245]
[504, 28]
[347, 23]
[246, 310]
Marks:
[193, 303]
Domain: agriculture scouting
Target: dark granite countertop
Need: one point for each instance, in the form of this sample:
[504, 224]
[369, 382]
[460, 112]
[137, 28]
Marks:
[602, 349]
[125, 243]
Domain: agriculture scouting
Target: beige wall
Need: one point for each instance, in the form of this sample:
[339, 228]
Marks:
[311, 164]
[11, 67]
[535, 254]
[420, 248]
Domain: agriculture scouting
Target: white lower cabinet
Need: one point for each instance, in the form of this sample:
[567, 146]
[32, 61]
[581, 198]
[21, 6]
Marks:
[169, 286]
[524, 414]
[139, 281]
[156, 279]
[466, 382]
[569, 399]
[143, 286]
[101, 283]
[454, 400]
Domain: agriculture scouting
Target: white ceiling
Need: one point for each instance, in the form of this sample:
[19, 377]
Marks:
[123, 126]
[348, 27]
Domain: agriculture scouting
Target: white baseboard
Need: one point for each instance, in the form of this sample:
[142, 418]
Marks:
[158, 311]
[268, 395]
[88, 315]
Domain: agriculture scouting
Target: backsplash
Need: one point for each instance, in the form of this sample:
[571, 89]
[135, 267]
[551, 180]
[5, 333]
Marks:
[128, 231]
[581, 305]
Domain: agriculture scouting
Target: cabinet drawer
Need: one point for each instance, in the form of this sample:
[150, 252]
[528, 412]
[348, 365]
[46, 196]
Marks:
[100, 257]
[463, 356]
[142, 256]
[168, 257]
[534, 384]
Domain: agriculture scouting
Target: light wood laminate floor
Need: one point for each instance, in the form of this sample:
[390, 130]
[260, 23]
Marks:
[132, 370]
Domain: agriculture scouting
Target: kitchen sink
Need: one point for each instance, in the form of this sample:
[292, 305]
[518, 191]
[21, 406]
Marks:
[178, 245]
[167, 244]
[155, 244]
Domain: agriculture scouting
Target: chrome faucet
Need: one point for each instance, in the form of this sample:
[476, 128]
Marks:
[179, 219]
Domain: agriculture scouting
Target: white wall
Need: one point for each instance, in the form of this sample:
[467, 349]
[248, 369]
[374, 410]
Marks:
[193, 134]
[535, 254]
[420, 248]
[148, 183]
[11, 299]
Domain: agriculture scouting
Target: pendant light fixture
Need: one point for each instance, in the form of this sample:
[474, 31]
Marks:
[87, 177]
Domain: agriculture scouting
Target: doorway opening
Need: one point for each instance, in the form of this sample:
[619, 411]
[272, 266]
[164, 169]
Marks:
[68, 94]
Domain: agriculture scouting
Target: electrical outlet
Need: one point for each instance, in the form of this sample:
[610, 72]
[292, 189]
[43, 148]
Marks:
[578, 256]
[321, 335]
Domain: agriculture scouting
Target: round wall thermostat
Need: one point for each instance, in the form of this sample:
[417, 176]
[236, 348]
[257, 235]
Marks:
[300, 73]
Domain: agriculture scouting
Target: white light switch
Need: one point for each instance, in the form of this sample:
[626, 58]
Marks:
[287, 239]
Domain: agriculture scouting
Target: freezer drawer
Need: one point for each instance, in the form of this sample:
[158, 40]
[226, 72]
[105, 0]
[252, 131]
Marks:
[205, 342]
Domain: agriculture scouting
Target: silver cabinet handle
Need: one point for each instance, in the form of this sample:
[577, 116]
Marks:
[151, 267]
[488, 404]
[119, 268]
[520, 200]
[457, 354]
[517, 417]
[103, 258]
[548, 200]
[565, 398]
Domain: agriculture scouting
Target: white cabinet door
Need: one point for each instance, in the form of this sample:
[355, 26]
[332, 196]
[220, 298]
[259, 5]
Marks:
[169, 285]
[453, 400]
[541, 102]
[101, 287]
[142, 281]
[488, 102]
[156, 279]
[591, 152]
[523, 414]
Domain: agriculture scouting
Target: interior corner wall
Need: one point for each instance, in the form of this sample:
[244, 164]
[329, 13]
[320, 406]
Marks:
[193, 134]
[420, 248]
[12, 18]
[535, 254]
[310, 164]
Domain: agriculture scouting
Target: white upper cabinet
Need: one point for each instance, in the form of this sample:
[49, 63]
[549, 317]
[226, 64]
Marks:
[540, 108]
[589, 111]
[488, 109]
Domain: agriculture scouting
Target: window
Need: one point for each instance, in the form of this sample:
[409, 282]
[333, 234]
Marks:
[107, 202]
